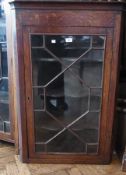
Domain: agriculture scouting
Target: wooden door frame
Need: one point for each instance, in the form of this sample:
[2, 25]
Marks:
[106, 93]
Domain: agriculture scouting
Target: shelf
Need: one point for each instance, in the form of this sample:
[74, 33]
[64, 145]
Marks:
[72, 48]
[58, 129]
[89, 136]
[66, 59]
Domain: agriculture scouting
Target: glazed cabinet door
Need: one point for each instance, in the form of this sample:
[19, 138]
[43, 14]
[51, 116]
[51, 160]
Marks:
[67, 79]
[6, 129]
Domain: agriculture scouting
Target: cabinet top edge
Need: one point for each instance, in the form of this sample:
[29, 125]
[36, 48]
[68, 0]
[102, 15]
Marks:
[95, 5]
[70, 1]
[68, 4]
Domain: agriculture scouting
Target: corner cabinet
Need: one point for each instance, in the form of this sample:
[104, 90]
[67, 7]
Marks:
[66, 61]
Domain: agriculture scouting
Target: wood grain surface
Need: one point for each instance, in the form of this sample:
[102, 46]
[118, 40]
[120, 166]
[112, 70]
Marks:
[11, 165]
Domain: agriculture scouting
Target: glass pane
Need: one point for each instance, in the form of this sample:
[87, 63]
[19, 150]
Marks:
[91, 73]
[98, 41]
[39, 147]
[95, 99]
[88, 121]
[45, 71]
[92, 148]
[45, 126]
[66, 142]
[4, 96]
[89, 68]
[38, 94]
[37, 41]
[67, 92]
[87, 129]
[4, 60]
[67, 46]
[57, 53]
[69, 98]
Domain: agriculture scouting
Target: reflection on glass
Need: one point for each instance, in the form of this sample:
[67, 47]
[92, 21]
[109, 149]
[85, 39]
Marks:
[4, 98]
[67, 91]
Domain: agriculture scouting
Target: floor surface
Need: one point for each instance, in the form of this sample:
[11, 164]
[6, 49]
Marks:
[11, 165]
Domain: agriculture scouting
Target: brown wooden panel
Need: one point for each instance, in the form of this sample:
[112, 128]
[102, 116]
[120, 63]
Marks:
[66, 18]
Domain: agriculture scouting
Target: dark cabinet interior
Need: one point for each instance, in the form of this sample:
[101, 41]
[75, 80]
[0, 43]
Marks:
[66, 57]
[121, 106]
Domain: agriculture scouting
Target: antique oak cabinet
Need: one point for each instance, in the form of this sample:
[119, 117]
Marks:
[66, 57]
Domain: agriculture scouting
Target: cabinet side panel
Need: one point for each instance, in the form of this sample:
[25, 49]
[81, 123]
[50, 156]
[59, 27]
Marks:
[117, 42]
[20, 86]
